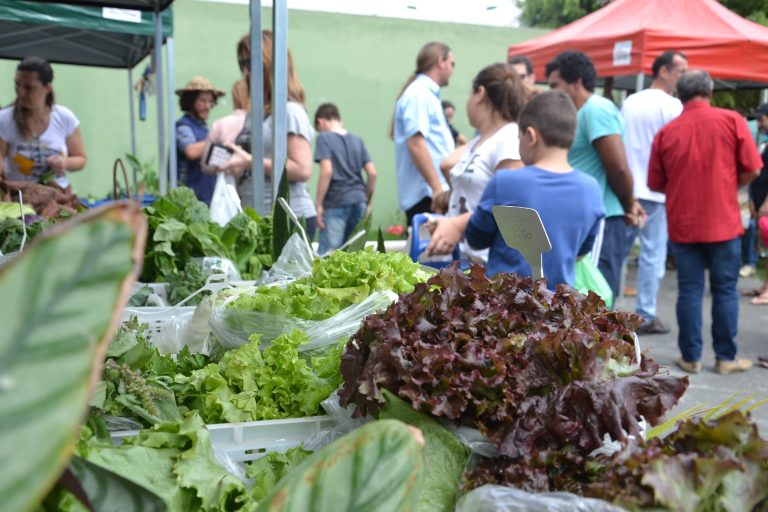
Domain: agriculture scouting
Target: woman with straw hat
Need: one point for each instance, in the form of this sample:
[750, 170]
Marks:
[196, 100]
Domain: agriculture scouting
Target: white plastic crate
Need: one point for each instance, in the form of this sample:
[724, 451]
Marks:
[252, 440]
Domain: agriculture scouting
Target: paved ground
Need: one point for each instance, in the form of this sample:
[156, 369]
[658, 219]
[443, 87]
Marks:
[709, 387]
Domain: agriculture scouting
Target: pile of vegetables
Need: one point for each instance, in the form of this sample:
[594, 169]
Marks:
[180, 230]
[707, 464]
[12, 231]
[250, 383]
[545, 376]
[336, 282]
[47, 199]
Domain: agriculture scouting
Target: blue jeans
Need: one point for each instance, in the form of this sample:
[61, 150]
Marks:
[339, 223]
[723, 260]
[748, 244]
[653, 257]
[615, 248]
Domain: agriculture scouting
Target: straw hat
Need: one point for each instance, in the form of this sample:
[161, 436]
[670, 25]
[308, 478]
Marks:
[200, 84]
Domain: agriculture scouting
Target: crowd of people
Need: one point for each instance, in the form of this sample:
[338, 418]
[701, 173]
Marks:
[664, 170]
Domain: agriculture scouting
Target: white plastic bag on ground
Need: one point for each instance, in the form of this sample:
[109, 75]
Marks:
[497, 498]
[225, 202]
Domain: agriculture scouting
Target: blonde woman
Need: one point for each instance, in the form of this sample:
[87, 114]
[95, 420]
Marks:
[298, 164]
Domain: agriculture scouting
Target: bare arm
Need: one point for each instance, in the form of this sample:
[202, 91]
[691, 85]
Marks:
[194, 151]
[446, 233]
[75, 159]
[746, 177]
[3, 154]
[417, 147]
[611, 151]
[451, 160]
[298, 165]
[370, 170]
[326, 171]
[510, 164]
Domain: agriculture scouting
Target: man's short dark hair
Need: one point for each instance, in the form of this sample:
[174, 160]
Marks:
[447, 104]
[553, 115]
[693, 83]
[328, 111]
[573, 65]
[665, 61]
[522, 59]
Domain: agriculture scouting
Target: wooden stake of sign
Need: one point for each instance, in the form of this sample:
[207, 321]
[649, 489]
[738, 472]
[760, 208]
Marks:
[523, 230]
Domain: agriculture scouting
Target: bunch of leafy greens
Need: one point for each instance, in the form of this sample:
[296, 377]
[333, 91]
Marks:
[268, 470]
[181, 229]
[174, 460]
[336, 282]
[251, 384]
[12, 232]
[705, 465]
[536, 371]
[138, 381]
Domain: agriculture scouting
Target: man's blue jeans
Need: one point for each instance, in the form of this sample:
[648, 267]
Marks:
[615, 248]
[653, 256]
[723, 260]
[339, 223]
[748, 244]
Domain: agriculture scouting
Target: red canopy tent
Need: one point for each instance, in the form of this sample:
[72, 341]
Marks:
[624, 37]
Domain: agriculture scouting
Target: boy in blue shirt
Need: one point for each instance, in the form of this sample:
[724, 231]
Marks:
[569, 202]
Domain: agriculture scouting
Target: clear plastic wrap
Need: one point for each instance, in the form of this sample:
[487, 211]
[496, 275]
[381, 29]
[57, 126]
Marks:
[233, 327]
[496, 498]
[121, 423]
[294, 262]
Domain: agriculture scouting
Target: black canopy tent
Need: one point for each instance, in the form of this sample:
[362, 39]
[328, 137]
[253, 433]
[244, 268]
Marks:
[111, 34]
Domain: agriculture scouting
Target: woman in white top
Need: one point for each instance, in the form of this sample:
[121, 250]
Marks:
[498, 95]
[39, 140]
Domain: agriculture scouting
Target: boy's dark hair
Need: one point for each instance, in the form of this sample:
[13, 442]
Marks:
[525, 61]
[327, 111]
[447, 104]
[694, 83]
[553, 115]
[665, 61]
[573, 65]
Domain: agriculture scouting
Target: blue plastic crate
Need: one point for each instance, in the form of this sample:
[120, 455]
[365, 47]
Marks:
[420, 237]
[145, 201]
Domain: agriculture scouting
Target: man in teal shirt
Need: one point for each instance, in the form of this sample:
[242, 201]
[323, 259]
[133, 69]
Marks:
[598, 150]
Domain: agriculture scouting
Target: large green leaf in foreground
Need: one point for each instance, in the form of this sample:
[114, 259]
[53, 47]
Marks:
[61, 302]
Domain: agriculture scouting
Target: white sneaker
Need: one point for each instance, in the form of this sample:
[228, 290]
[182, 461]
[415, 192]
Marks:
[747, 271]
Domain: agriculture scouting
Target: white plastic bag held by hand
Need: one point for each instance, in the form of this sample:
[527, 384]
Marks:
[225, 203]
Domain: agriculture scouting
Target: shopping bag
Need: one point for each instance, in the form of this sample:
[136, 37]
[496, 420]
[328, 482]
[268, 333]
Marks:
[589, 278]
[225, 203]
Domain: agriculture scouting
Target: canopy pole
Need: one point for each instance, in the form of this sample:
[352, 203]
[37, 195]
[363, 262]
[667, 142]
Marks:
[640, 82]
[132, 116]
[257, 109]
[158, 55]
[172, 156]
[764, 96]
[279, 91]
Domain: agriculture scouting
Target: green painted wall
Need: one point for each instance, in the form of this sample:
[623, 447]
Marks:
[357, 62]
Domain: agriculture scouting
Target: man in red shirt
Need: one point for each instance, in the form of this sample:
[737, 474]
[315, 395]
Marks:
[699, 160]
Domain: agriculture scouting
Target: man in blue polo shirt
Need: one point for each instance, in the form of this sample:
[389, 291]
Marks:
[421, 133]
